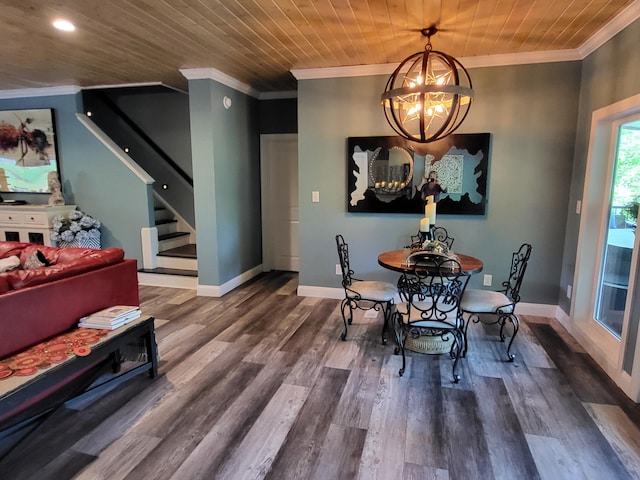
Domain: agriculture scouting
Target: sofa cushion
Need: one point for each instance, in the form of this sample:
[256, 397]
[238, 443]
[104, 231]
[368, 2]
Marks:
[9, 249]
[66, 262]
[4, 285]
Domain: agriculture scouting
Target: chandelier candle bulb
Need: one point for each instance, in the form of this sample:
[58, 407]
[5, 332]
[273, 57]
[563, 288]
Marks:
[424, 224]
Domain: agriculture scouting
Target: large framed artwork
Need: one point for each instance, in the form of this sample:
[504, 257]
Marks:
[394, 175]
[27, 150]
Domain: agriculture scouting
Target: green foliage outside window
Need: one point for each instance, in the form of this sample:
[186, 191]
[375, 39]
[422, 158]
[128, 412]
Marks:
[627, 179]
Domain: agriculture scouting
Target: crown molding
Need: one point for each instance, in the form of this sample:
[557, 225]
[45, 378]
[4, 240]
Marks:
[621, 21]
[468, 62]
[40, 92]
[336, 72]
[134, 85]
[525, 58]
[220, 77]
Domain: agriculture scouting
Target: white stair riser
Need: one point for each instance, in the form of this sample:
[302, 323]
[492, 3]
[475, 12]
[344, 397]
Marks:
[165, 228]
[173, 243]
[178, 262]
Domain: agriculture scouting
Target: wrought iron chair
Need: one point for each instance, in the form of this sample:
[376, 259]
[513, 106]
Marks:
[431, 294]
[363, 294]
[491, 307]
[435, 233]
[441, 234]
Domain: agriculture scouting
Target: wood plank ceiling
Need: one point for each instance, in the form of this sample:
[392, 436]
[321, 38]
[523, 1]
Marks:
[258, 42]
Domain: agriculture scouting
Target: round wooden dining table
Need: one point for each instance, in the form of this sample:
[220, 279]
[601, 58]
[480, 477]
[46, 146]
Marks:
[396, 260]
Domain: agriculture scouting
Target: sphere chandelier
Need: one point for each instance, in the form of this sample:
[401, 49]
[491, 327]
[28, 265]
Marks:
[428, 96]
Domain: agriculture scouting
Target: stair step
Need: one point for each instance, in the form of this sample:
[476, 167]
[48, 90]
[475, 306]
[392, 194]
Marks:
[184, 251]
[168, 236]
[166, 221]
[170, 271]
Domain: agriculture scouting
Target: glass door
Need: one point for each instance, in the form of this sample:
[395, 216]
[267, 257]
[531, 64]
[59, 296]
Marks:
[615, 271]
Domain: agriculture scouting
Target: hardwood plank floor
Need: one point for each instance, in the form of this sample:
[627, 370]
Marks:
[257, 384]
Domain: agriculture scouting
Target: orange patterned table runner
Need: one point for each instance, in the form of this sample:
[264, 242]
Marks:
[55, 351]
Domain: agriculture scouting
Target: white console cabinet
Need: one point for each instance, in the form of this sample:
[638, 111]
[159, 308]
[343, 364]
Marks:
[29, 223]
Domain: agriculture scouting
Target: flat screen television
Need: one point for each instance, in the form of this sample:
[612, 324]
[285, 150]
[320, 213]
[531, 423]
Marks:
[27, 150]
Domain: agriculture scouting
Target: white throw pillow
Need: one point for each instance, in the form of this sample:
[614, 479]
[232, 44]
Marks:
[9, 263]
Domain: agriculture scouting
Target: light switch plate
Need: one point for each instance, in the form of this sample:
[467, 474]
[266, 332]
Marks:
[315, 197]
[487, 280]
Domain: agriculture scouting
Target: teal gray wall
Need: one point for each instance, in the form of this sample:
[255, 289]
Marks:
[226, 166]
[530, 111]
[92, 177]
[609, 75]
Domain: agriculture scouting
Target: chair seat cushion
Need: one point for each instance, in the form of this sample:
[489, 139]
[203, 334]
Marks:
[485, 301]
[373, 290]
[442, 321]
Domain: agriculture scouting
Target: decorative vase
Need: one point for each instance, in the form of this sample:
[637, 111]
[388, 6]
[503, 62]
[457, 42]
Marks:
[86, 243]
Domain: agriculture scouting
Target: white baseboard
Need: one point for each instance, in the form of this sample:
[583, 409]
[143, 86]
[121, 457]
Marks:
[179, 281]
[220, 290]
[538, 309]
[322, 292]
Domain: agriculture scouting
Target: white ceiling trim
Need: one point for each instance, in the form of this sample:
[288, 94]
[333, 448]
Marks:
[468, 62]
[39, 92]
[123, 85]
[548, 56]
[218, 76]
[621, 21]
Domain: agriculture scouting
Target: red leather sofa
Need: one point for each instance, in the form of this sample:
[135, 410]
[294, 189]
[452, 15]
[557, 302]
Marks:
[42, 302]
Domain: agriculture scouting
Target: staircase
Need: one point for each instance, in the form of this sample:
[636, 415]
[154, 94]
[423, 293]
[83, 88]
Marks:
[176, 259]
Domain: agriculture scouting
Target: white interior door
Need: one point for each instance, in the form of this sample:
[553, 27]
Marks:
[279, 177]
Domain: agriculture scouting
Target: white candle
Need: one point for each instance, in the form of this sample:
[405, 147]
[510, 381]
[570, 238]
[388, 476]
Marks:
[424, 224]
[430, 210]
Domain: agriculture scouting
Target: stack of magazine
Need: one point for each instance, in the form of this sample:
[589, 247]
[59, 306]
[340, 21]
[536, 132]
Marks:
[111, 318]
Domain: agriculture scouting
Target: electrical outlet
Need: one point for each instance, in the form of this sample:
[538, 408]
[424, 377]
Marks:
[569, 291]
[315, 197]
[338, 269]
[578, 207]
[487, 280]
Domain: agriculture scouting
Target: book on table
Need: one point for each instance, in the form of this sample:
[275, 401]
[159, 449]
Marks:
[111, 318]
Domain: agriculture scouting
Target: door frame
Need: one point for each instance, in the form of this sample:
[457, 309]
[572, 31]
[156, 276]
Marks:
[265, 182]
[607, 350]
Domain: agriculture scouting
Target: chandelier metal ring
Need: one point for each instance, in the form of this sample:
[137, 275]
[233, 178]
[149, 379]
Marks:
[428, 95]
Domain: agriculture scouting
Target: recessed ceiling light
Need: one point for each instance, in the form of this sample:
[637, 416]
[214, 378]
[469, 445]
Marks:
[64, 25]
